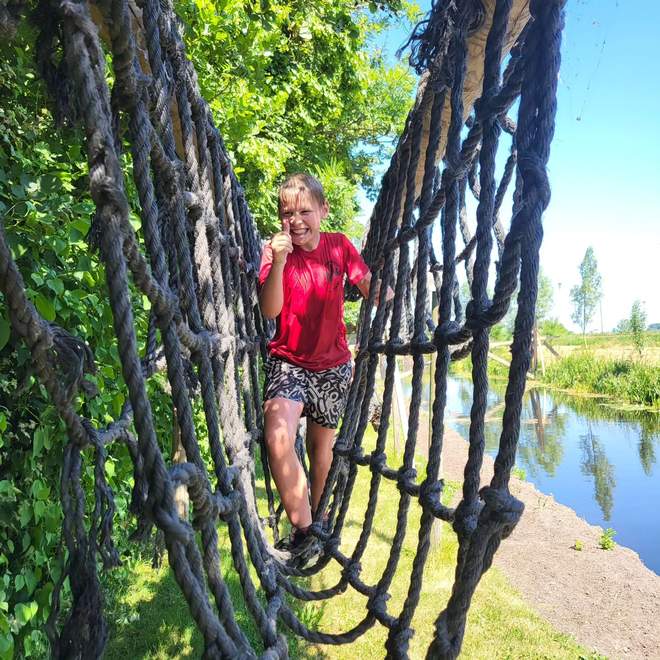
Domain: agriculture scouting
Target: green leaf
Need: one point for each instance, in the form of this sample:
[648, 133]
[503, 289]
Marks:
[6, 645]
[25, 513]
[45, 307]
[40, 490]
[82, 224]
[25, 612]
[39, 509]
[38, 441]
[5, 332]
[56, 285]
[31, 581]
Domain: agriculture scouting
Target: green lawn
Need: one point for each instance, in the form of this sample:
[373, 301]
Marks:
[150, 618]
[605, 340]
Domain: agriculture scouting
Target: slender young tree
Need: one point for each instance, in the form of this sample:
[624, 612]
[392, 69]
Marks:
[586, 295]
[637, 324]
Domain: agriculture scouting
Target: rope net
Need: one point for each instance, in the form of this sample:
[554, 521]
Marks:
[197, 263]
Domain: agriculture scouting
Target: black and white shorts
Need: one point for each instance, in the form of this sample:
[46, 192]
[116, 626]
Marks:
[322, 393]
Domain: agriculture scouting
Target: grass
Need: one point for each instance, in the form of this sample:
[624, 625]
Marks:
[627, 380]
[608, 366]
[605, 340]
[151, 620]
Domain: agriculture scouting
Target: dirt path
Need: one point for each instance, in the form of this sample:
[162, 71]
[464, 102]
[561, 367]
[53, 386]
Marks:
[607, 600]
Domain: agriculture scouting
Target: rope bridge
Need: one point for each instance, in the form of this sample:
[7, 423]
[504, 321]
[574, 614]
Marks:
[197, 263]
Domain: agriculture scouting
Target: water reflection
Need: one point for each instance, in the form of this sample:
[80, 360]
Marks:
[544, 449]
[595, 464]
[599, 460]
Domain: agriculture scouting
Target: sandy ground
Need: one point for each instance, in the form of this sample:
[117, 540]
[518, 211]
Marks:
[606, 599]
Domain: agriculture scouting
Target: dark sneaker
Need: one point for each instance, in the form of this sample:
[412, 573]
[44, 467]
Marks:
[302, 546]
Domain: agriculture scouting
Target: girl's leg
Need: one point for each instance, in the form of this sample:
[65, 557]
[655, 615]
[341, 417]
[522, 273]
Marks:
[319, 449]
[281, 417]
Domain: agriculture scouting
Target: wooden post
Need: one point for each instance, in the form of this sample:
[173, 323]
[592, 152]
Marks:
[400, 403]
[472, 88]
[181, 499]
[535, 348]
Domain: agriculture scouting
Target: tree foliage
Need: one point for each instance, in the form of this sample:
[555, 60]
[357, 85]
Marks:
[544, 302]
[586, 295]
[545, 297]
[297, 86]
[622, 327]
[637, 324]
[292, 86]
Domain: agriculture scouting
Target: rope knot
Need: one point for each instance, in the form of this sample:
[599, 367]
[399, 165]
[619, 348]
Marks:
[172, 525]
[331, 546]
[352, 570]
[269, 578]
[129, 89]
[227, 505]
[443, 332]
[405, 479]
[407, 233]
[441, 645]
[228, 478]
[466, 517]
[377, 461]
[456, 167]
[436, 267]
[534, 174]
[501, 507]
[377, 604]
[430, 493]
[398, 641]
[356, 455]
[475, 314]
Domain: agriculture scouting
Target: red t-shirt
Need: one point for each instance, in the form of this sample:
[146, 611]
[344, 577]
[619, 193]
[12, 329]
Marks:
[310, 328]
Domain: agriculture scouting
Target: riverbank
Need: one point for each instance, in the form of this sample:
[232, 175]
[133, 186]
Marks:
[606, 599]
[623, 380]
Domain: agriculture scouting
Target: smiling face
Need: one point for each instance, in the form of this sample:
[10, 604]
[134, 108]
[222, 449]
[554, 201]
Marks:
[302, 212]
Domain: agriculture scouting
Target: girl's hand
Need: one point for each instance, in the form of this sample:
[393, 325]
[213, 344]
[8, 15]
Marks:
[281, 244]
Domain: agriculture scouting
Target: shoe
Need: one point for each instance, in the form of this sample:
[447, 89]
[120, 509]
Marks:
[302, 546]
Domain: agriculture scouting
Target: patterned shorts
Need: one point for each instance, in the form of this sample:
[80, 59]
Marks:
[322, 393]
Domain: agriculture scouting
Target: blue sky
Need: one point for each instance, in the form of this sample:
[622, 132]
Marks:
[605, 161]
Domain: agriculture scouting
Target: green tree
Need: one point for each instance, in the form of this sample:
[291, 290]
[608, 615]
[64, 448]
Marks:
[292, 86]
[297, 86]
[638, 325]
[586, 295]
[544, 299]
[622, 327]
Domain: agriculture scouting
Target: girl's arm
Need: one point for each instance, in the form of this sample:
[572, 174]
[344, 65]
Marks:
[364, 284]
[271, 296]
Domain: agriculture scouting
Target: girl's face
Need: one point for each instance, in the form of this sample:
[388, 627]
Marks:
[301, 215]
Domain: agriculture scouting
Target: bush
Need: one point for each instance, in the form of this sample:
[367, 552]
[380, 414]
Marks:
[623, 379]
[553, 328]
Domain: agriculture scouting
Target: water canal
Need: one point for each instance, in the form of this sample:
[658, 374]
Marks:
[601, 461]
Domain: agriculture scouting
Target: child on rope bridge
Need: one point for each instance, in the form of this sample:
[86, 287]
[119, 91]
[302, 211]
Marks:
[309, 367]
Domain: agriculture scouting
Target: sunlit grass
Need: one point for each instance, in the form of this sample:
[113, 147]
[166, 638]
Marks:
[151, 619]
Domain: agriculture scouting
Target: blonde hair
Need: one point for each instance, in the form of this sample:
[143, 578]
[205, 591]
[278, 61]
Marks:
[298, 183]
